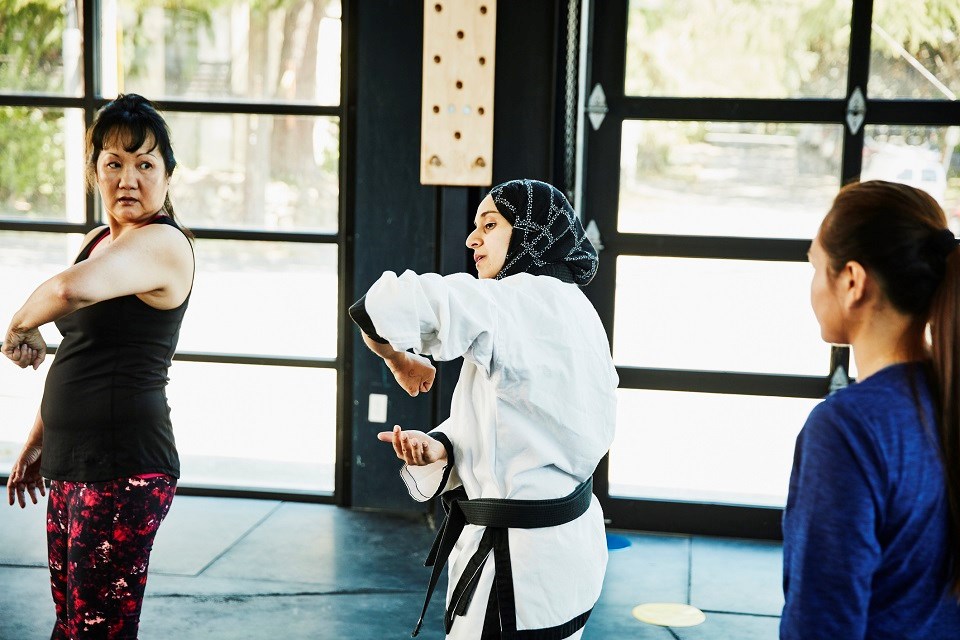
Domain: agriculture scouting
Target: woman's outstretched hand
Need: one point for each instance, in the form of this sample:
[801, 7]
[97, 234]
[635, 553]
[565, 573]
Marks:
[25, 477]
[25, 348]
[414, 447]
[414, 373]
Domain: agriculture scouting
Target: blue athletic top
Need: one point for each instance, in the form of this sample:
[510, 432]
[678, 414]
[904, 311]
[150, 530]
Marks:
[104, 408]
[865, 528]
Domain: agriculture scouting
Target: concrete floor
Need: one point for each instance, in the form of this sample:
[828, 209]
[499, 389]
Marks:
[230, 569]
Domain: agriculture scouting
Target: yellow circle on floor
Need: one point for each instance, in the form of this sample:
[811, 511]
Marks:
[669, 614]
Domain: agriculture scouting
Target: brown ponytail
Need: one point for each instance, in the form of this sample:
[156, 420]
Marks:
[168, 209]
[945, 334]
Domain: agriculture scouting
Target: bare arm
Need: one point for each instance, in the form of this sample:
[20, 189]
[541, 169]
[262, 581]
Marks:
[414, 373]
[154, 262]
[382, 349]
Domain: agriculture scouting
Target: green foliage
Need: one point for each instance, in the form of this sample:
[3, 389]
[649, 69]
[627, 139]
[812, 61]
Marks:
[31, 60]
[785, 48]
[32, 163]
[930, 31]
[31, 45]
[185, 20]
[735, 48]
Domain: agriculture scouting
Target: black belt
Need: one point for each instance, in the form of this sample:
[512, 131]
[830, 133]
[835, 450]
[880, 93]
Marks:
[498, 516]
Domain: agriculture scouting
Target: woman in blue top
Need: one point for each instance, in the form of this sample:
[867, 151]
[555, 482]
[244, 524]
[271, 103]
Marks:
[872, 524]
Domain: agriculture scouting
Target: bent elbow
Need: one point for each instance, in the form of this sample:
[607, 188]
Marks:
[66, 292]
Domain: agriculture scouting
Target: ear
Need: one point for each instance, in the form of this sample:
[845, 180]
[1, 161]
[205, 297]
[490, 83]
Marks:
[853, 284]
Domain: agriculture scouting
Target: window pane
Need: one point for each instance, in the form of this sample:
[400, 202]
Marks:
[915, 50]
[41, 164]
[922, 157]
[703, 447]
[737, 48]
[276, 173]
[227, 435]
[255, 426]
[727, 179]
[26, 260]
[717, 315]
[20, 394]
[273, 51]
[267, 298]
[41, 48]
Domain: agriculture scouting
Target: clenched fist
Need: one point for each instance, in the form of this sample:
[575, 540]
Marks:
[414, 373]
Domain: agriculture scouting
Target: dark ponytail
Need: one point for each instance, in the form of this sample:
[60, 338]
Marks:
[899, 234]
[945, 334]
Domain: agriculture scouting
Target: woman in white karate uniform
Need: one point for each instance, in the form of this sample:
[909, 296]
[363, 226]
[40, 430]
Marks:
[532, 415]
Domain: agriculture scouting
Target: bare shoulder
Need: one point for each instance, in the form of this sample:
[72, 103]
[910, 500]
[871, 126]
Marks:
[159, 237]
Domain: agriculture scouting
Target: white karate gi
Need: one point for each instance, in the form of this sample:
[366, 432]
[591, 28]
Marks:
[532, 415]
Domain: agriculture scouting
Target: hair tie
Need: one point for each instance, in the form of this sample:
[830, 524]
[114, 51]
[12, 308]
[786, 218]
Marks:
[943, 242]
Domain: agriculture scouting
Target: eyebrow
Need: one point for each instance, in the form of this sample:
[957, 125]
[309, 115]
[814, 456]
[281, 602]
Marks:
[144, 153]
[482, 214]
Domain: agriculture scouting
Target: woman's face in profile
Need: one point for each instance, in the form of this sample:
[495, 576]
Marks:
[490, 239]
[824, 296]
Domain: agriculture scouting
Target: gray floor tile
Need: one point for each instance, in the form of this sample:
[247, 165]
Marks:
[290, 617]
[316, 571]
[335, 548]
[738, 576]
[720, 626]
[197, 530]
[26, 606]
[609, 622]
[652, 569]
[23, 533]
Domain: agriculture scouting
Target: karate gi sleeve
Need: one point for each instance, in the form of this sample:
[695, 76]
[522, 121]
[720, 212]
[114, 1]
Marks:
[430, 480]
[444, 317]
[830, 550]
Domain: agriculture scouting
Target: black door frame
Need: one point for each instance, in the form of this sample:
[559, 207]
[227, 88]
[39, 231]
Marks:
[607, 66]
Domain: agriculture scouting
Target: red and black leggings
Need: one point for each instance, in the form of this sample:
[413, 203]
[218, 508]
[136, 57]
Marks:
[99, 538]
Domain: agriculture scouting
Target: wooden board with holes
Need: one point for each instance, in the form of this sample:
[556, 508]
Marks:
[456, 139]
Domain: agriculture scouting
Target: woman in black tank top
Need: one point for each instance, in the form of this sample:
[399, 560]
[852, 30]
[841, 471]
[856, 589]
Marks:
[103, 435]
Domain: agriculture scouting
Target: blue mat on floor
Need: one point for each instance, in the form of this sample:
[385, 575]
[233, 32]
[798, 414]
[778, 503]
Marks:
[617, 542]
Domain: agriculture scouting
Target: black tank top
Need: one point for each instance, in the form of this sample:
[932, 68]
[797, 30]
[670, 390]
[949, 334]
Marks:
[104, 409]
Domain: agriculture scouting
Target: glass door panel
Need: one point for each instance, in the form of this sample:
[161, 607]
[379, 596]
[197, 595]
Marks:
[229, 50]
[927, 158]
[737, 48]
[717, 315]
[265, 298]
[915, 50]
[703, 447]
[744, 179]
[250, 426]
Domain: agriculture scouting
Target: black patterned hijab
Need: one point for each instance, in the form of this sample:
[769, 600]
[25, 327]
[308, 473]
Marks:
[547, 233]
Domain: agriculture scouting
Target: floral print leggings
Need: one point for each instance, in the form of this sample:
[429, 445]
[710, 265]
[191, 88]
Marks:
[99, 538]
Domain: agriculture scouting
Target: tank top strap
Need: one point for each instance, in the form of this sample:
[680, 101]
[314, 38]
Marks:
[85, 252]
